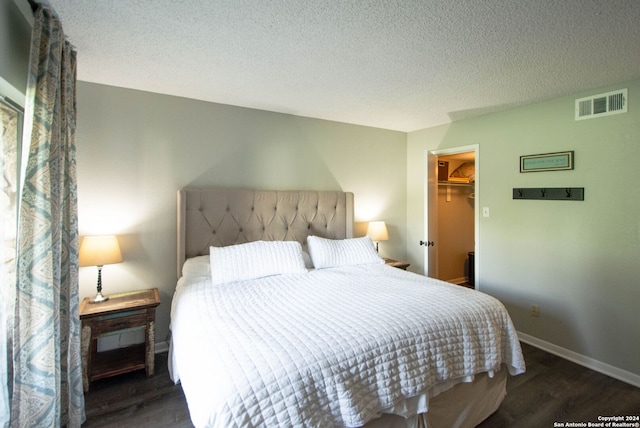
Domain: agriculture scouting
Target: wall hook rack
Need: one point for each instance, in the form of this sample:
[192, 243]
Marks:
[549, 193]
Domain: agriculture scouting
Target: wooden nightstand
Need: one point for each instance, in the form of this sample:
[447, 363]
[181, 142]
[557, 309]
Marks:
[397, 264]
[122, 312]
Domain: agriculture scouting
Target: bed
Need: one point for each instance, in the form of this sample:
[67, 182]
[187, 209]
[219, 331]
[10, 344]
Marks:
[282, 318]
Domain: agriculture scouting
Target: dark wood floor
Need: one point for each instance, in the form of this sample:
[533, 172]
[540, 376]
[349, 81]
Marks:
[556, 390]
[552, 390]
[133, 400]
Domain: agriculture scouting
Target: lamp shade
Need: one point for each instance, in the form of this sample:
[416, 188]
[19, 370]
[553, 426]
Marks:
[377, 231]
[99, 251]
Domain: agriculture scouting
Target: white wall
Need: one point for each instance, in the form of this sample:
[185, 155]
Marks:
[136, 149]
[579, 261]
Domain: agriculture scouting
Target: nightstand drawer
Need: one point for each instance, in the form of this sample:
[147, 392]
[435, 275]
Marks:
[117, 322]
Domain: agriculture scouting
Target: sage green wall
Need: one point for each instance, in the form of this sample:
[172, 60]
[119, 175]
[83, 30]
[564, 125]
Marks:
[136, 149]
[579, 261]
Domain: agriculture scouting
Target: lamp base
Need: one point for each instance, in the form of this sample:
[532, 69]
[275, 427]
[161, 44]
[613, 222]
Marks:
[99, 298]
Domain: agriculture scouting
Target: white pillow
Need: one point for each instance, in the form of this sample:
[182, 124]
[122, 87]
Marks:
[196, 266]
[326, 253]
[255, 260]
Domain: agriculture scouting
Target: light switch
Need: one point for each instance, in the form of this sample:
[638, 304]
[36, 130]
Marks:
[485, 211]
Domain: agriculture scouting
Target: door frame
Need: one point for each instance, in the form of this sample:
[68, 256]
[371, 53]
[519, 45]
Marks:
[431, 214]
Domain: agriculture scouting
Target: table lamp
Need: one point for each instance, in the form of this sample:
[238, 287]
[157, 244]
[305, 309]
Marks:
[99, 251]
[377, 231]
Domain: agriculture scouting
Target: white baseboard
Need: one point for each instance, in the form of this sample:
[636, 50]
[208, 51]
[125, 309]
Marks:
[590, 363]
[162, 347]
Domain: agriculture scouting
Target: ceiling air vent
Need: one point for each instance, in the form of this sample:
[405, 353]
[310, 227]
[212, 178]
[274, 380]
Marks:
[601, 105]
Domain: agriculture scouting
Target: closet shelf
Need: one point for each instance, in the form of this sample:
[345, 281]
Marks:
[455, 183]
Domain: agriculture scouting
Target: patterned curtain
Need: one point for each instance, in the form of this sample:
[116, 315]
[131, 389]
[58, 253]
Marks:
[47, 379]
[8, 210]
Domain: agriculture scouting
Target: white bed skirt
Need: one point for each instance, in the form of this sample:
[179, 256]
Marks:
[465, 405]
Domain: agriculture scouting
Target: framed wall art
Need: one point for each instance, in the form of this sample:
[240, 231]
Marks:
[558, 161]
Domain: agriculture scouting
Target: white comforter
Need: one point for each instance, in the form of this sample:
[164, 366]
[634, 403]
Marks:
[332, 347]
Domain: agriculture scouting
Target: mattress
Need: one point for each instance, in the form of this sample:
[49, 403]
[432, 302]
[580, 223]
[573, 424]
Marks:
[331, 347]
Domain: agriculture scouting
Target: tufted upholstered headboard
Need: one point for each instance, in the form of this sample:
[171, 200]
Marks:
[221, 217]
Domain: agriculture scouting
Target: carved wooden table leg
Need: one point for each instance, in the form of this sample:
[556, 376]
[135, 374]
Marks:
[86, 358]
[150, 348]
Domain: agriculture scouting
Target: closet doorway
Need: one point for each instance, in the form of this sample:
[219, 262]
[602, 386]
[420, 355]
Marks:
[452, 215]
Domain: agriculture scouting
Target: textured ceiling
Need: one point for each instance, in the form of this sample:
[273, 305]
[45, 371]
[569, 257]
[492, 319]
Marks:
[401, 65]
